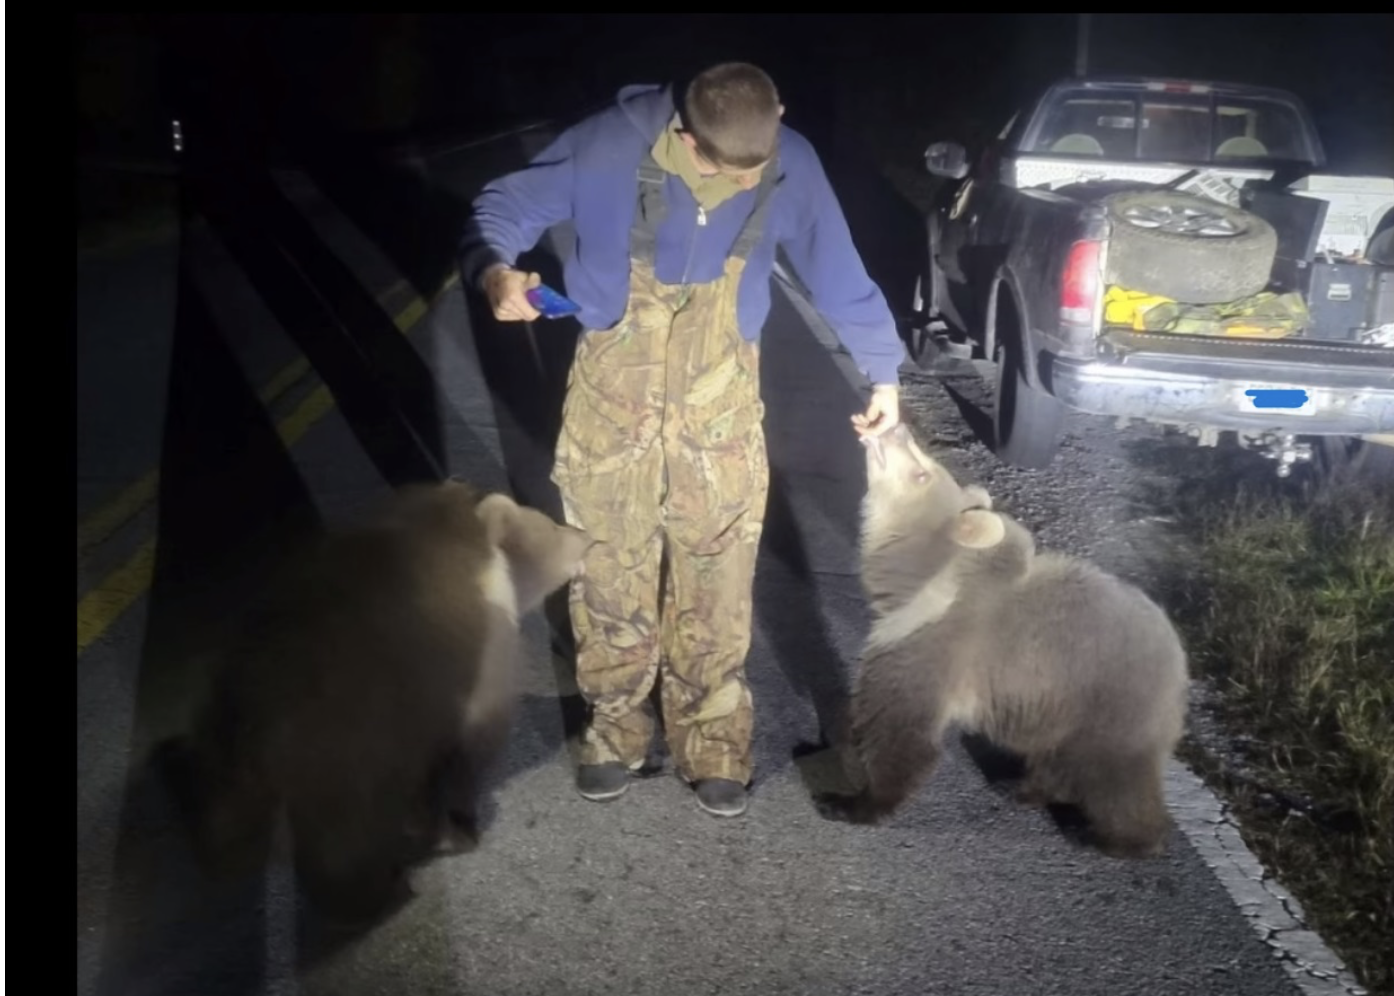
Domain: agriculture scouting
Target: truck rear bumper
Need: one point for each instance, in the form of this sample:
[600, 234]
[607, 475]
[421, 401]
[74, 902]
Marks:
[1307, 390]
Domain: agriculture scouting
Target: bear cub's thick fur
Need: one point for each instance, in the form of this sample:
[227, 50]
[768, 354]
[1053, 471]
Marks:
[1047, 656]
[370, 693]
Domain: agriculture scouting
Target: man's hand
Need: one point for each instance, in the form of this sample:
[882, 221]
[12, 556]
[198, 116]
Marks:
[882, 414]
[506, 289]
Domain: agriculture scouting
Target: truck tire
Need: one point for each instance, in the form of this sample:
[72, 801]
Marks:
[1381, 248]
[1189, 248]
[920, 346]
[1342, 460]
[1027, 422]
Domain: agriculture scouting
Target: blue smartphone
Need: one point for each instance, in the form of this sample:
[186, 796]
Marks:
[550, 303]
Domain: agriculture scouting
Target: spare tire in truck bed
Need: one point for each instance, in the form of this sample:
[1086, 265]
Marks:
[1193, 249]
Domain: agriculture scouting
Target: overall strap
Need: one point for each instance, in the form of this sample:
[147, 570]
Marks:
[653, 208]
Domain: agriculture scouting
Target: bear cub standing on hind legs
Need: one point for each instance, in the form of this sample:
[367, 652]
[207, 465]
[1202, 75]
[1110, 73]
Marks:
[1048, 656]
[371, 692]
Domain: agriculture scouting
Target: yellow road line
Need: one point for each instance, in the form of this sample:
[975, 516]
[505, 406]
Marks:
[315, 406]
[99, 609]
[116, 593]
[136, 497]
[115, 513]
[284, 380]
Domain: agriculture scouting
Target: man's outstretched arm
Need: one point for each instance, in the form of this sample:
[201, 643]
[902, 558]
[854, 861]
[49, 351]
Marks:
[827, 261]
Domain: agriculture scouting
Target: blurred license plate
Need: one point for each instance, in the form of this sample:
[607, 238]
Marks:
[1279, 400]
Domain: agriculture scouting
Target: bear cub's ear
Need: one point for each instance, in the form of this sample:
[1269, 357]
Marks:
[498, 512]
[979, 529]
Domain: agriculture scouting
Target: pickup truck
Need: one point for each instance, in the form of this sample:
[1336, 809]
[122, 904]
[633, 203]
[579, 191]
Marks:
[1205, 197]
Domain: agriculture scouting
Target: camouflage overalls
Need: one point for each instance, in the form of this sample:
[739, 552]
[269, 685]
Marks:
[662, 457]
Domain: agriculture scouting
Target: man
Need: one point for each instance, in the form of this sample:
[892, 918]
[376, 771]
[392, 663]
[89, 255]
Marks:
[662, 454]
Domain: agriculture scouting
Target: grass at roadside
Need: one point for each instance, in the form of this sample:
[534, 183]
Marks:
[1289, 616]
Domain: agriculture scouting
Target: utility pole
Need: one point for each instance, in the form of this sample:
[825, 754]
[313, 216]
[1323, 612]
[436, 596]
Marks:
[1082, 45]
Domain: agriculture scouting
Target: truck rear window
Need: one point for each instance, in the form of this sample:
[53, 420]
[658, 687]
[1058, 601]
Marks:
[1170, 127]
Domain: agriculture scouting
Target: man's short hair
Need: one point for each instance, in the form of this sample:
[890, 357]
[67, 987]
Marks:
[732, 112]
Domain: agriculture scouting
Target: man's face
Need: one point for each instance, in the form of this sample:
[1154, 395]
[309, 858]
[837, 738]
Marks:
[745, 178]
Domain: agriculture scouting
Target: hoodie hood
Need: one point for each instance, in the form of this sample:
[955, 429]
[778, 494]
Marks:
[648, 107]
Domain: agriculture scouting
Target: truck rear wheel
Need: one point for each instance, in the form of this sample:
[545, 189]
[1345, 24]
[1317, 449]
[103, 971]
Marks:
[1340, 460]
[1028, 422]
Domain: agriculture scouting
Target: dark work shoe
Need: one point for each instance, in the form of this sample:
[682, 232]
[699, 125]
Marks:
[721, 796]
[602, 782]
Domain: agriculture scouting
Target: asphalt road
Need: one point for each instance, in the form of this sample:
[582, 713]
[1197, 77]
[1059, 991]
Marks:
[962, 893]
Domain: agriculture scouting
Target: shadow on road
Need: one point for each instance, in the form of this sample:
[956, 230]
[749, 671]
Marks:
[230, 501]
[379, 382]
[417, 223]
[232, 509]
[808, 551]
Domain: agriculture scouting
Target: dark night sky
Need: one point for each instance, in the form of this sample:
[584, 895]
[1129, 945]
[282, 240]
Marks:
[921, 76]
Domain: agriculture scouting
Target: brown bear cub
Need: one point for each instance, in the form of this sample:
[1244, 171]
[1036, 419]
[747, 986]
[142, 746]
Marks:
[1071, 668]
[370, 693]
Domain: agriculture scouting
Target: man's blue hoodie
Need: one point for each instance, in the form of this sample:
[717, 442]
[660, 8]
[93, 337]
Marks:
[588, 174]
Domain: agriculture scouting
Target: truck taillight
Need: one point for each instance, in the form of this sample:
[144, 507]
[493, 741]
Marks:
[1079, 291]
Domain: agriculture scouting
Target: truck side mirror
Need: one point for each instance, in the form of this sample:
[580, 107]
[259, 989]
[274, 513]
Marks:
[946, 159]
